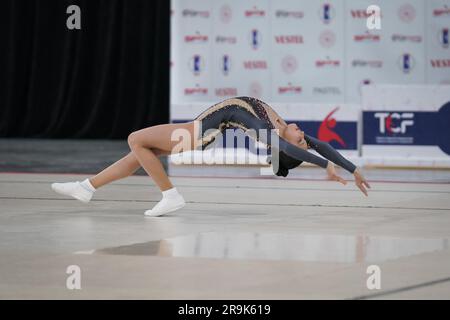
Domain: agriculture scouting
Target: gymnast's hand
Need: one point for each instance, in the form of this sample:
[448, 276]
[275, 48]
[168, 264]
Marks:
[360, 181]
[332, 173]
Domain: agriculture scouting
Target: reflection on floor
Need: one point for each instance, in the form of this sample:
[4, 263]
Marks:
[302, 247]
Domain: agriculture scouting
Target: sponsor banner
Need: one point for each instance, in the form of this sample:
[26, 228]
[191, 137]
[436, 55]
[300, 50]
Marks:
[307, 51]
[405, 128]
[402, 121]
[304, 51]
[191, 60]
[438, 42]
[241, 49]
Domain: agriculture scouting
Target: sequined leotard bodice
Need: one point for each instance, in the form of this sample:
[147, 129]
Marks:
[231, 113]
[250, 113]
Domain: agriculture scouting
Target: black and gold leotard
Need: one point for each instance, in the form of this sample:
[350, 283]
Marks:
[250, 113]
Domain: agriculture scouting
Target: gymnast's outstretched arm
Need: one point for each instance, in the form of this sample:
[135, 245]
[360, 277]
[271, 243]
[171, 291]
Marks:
[300, 154]
[327, 151]
[303, 155]
[322, 148]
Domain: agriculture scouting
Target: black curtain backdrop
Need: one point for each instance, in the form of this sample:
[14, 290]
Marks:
[103, 81]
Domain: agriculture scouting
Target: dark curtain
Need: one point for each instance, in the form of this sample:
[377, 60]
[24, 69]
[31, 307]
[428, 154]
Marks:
[103, 81]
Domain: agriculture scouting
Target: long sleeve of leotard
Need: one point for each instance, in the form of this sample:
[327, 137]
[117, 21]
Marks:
[327, 151]
[283, 145]
[300, 154]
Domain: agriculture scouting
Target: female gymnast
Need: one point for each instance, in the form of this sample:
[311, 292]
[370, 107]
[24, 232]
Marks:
[241, 112]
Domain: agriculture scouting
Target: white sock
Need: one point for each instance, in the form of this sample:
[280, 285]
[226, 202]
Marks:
[171, 193]
[170, 202]
[87, 185]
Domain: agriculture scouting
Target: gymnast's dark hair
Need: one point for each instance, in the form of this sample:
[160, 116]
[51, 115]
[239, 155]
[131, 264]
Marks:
[285, 163]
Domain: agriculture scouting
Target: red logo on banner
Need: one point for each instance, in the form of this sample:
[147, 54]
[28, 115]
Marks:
[326, 132]
[327, 39]
[290, 89]
[197, 38]
[254, 12]
[367, 37]
[327, 63]
[291, 39]
[225, 14]
[389, 124]
[440, 63]
[289, 64]
[255, 64]
[223, 92]
[255, 90]
[195, 91]
[407, 13]
[359, 14]
[441, 12]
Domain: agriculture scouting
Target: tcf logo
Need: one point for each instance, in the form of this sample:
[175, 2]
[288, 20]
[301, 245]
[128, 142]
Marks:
[255, 39]
[326, 13]
[391, 123]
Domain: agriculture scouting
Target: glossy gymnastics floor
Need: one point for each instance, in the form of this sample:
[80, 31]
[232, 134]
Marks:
[237, 238]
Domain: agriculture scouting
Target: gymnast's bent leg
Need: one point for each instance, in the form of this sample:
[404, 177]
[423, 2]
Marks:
[146, 145]
[84, 190]
[141, 143]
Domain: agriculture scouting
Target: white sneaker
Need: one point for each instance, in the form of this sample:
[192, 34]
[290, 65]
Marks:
[73, 189]
[166, 205]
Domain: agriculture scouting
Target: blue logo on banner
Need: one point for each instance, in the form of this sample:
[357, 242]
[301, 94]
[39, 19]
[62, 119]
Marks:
[196, 65]
[326, 12]
[445, 38]
[406, 62]
[255, 39]
[226, 64]
[408, 128]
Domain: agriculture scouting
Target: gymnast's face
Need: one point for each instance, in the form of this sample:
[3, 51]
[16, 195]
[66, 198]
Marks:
[294, 135]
